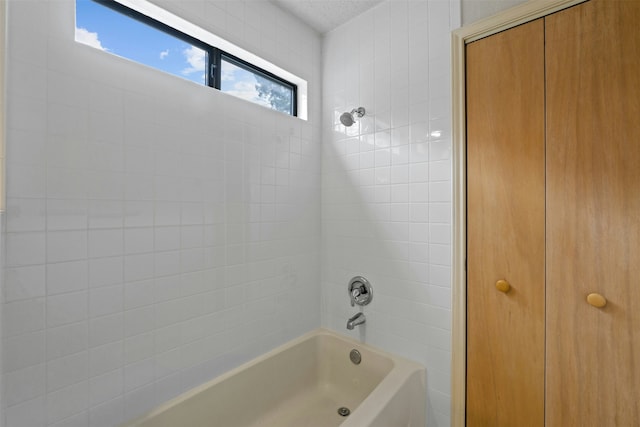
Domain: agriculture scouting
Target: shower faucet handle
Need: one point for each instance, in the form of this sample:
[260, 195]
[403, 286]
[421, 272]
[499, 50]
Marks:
[354, 296]
[360, 291]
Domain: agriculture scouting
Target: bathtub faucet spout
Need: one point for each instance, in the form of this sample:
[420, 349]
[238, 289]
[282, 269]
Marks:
[356, 320]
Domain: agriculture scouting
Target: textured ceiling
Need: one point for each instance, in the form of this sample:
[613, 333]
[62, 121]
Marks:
[325, 15]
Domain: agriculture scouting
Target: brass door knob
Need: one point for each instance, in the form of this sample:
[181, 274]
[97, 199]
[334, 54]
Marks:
[596, 300]
[503, 286]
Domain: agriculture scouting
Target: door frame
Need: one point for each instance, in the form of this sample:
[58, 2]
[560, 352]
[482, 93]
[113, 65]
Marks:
[510, 18]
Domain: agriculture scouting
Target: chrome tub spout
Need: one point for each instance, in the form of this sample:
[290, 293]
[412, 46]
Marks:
[356, 320]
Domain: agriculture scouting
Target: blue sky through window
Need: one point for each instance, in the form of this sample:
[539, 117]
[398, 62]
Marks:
[117, 33]
[239, 82]
[114, 32]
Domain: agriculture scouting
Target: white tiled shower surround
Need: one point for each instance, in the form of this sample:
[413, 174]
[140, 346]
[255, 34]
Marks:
[159, 233]
[386, 183]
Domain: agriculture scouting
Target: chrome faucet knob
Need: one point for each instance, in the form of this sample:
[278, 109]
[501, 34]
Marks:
[354, 296]
[360, 291]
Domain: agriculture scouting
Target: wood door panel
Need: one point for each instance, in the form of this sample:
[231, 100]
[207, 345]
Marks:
[593, 214]
[505, 228]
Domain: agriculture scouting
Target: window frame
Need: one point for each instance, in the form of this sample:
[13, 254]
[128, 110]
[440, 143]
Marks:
[214, 55]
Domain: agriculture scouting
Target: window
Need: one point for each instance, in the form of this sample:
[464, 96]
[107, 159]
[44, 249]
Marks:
[119, 29]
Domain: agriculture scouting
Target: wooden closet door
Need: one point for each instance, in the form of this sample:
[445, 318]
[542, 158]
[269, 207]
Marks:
[593, 217]
[505, 228]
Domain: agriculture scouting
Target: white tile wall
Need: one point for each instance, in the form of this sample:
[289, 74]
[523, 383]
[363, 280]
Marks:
[158, 232]
[386, 182]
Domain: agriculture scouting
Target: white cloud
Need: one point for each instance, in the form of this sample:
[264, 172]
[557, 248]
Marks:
[164, 54]
[247, 90]
[87, 37]
[195, 58]
[227, 72]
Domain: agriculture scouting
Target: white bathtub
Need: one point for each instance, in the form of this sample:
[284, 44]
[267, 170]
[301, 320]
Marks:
[303, 383]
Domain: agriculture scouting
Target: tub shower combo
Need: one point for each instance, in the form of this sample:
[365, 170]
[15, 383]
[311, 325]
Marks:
[321, 379]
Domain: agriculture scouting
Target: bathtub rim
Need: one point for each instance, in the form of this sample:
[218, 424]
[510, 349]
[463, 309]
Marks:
[368, 409]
